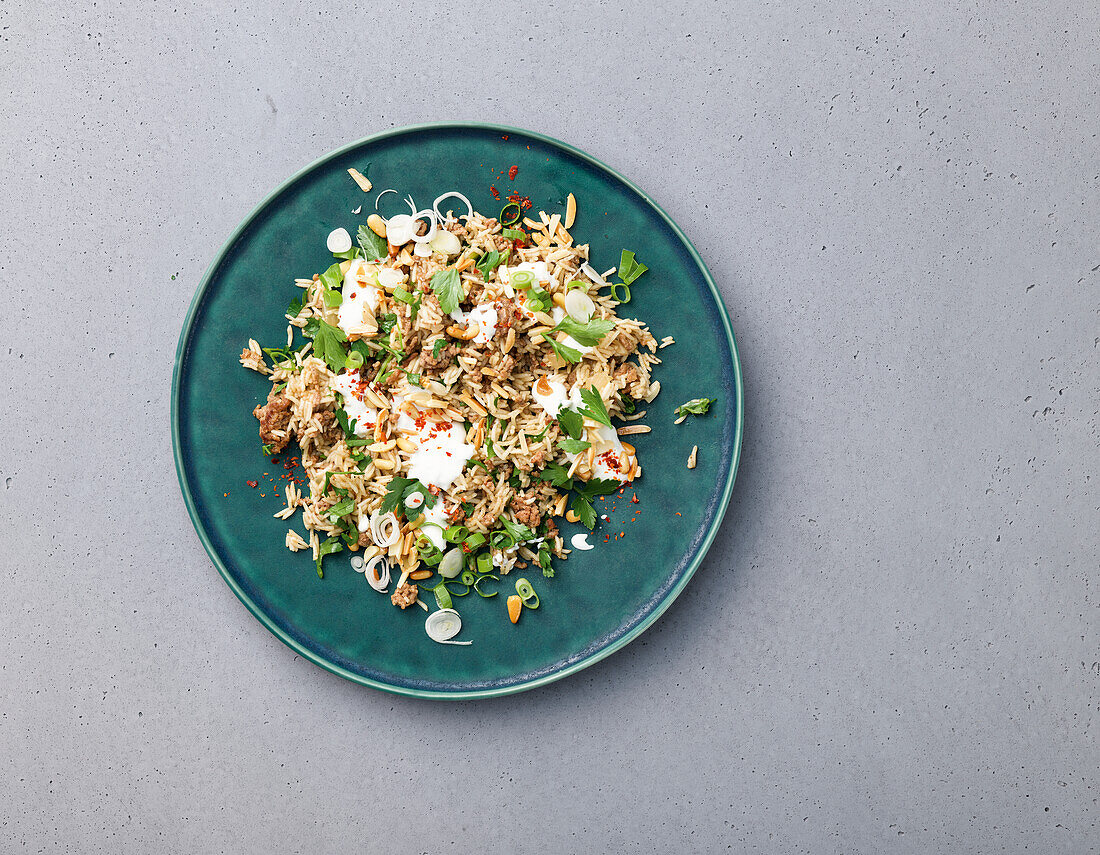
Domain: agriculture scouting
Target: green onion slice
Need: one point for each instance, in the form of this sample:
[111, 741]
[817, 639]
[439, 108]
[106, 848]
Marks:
[353, 361]
[527, 593]
[521, 279]
[481, 593]
[506, 218]
[624, 295]
[442, 596]
[467, 578]
[576, 283]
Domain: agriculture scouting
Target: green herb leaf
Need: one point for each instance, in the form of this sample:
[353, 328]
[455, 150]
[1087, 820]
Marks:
[398, 492]
[567, 353]
[573, 446]
[556, 474]
[627, 403]
[440, 343]
[447, 285]
[386, 323]
[582, 507]
[374, 247]
[588, 335]
[327, 547]
[544, 560]
[490, 261]
[571, 422]
[332, 278]
[342, 419]
[328, 342]
[518, 532]
[594, 407]
[696, 406]
[342, 508]
[596, 487]
[332, 298]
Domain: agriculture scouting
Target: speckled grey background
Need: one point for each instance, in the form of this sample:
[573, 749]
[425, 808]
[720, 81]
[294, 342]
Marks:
[893, 645]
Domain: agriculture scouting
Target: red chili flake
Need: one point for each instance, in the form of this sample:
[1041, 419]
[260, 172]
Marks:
[263, 495]
[252, 484]
[679, 514]
[225, 494]
[493, 190]
[634, 498]
[524, 202]
[505, 137]
[512, 172]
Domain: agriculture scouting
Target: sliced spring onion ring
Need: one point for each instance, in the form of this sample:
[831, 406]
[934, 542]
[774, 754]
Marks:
[453, 194]
[452, 564]
[481, 593]
[575, 283]
[422, 250]
[454, 593]
[455, 533]
[444, 625]
[354, 360]
[579, 306]
[384, 529]
[527, 594]
[432, 227]
[521, 278]
[507, 219]
[446, 243]
[377, 571]
[400, 229]
[338, 240]
[357, 563]
[378, 198]
[467, 578]
[620, 297]
[442, 596]
[484, 562]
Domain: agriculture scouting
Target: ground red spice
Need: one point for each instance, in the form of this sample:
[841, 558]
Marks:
[505, 137]
[512, 172]
[494, 191]
[252, 484]
[523, 201]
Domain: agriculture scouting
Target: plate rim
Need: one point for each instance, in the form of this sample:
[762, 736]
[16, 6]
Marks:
[436, 694]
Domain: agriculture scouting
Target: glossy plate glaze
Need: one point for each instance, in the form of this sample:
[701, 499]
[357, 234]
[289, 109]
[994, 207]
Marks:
[599, 600]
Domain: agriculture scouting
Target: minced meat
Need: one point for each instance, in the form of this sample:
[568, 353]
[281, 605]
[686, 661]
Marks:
[404, 596]
[274, 416]
[525, 509]
[430, 364]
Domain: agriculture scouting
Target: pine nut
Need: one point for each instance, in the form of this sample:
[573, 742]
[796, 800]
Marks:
[377, 225]
[420, 574]
[571, 516]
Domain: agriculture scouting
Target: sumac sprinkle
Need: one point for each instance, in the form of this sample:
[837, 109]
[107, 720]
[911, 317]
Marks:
[252, 484]
[493, 190]
[512, 171]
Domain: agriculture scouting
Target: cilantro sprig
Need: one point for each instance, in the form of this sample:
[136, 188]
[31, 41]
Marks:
[447, 285]
[398, 493]
[328, 342]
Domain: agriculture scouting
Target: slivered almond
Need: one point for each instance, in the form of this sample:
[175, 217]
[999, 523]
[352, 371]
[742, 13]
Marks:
[360, 179]
[559, 506]
[472, 404]
[627, 430]
[555, 221]
[375, 398]
[628, 448]
[344, 265]
[692, 457]
[405, 259]
[465, 263]
[380, 426]
[509, 340]
[570, 210]
[531, 224]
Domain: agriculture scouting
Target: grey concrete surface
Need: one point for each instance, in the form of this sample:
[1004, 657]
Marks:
[893, 646]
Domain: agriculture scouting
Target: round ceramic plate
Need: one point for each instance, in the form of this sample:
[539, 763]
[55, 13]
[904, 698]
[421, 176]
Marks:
[646, 551]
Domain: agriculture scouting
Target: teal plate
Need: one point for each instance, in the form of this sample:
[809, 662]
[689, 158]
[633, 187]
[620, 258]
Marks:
[599, 600]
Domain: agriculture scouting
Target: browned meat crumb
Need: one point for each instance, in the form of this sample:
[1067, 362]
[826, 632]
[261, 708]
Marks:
[404, 596]
[365, 539]
[432, 365]
[525, 510]
[274, 416]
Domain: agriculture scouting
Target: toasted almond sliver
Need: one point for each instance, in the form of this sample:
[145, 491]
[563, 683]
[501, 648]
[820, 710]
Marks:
[570, 210]
[559, 508]
[509, 340]
[360, 179]
[692, 457]
[465, 263]
[627, 430]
